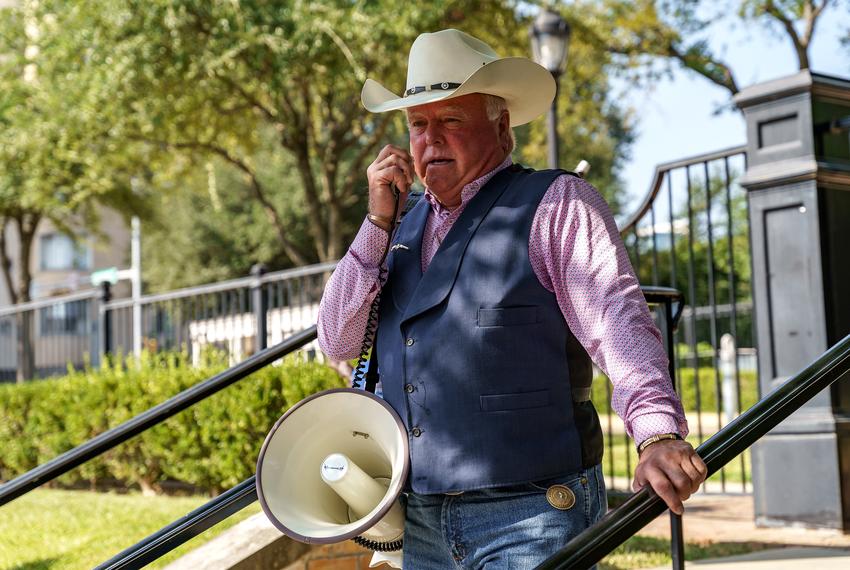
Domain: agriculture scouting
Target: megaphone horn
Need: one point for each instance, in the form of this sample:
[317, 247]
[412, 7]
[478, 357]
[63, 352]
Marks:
[332, 469]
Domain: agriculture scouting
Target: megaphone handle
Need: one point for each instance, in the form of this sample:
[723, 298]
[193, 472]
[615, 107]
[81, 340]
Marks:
[372, 371]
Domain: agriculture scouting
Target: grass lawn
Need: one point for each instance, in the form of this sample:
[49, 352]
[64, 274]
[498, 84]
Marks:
[58, 530]
[648, 552]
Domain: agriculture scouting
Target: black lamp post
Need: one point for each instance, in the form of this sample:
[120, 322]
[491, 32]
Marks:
[550, 37]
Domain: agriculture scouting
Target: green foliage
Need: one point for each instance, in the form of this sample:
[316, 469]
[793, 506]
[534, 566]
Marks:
[212, 445]
[706, 387]
[56, 160]
[247, 115]
[649, 36]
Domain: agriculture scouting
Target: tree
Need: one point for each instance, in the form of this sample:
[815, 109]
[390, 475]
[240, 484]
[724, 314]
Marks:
[642, 31]
[52, 165]
[266, 96]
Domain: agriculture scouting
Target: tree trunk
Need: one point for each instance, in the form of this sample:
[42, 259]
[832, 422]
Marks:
[27, 226]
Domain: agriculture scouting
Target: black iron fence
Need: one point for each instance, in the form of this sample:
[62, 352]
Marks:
[691, 233]
[238, 317]
[45, 337]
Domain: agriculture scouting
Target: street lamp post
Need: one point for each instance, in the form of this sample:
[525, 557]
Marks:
[550, 36]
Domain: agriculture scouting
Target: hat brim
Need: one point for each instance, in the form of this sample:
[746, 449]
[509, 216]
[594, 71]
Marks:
[527, 88]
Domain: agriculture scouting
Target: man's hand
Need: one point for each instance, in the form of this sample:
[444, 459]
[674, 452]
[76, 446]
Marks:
[392, 166]
[673, 470]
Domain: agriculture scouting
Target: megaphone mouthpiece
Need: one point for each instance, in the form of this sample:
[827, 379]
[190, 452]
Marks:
[361, 492]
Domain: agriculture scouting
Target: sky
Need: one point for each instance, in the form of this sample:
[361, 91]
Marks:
[677, 117]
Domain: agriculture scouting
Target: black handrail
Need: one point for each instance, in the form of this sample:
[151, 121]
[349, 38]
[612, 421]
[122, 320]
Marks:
[623, 522]
[170, 537]
[599, 540]
[119, 434]
[218, 509]
[666, 296]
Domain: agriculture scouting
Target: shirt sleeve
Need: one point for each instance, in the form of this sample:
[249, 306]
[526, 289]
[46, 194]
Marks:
[576, 252]
[348, 295]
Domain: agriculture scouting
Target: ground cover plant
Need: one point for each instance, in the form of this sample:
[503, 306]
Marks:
[57, 530]
[203, 450]
[209, 447]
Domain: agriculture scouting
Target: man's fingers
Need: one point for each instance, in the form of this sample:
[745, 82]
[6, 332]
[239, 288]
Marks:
[693, 474]
[639, 481]
[398, 162]
[665, 489]
[681, 482]
[390, 150]
[700, 465]
[393, 169]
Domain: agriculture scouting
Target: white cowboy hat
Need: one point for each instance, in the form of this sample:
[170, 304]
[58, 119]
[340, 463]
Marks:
[450, 63]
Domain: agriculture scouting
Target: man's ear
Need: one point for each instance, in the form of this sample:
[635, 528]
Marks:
[504, 127]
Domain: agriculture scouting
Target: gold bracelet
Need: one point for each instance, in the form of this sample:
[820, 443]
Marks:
[655, 439]
[383, 222]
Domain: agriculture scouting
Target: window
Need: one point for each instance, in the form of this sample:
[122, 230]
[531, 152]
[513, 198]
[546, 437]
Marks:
[64, 318]
[58, 251]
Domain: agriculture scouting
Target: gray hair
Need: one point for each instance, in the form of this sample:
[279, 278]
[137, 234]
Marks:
[495, 106]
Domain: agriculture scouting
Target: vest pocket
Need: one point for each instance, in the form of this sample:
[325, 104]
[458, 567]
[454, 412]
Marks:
[507, 316]
[519, 401]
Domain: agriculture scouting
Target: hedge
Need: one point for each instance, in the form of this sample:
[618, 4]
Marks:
[707, 390]
[212, 446]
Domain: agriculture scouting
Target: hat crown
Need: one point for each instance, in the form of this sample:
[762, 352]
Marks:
[446, 56]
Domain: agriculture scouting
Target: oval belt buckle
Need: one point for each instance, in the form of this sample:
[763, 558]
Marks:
[561, 497]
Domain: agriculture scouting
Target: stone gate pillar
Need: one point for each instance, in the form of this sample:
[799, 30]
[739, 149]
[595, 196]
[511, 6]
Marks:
[798, 186]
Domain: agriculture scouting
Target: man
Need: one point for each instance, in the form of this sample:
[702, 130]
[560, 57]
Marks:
[502, 283]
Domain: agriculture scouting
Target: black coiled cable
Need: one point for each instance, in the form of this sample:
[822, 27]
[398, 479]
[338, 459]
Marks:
[359, 377]
[379, 546]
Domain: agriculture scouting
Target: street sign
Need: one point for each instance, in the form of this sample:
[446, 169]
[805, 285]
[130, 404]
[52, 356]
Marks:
[110, 274]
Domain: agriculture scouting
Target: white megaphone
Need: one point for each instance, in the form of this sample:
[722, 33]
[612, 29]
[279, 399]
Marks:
[332, 468]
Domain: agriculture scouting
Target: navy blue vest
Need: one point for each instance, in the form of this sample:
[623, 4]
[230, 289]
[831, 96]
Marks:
[475, 356]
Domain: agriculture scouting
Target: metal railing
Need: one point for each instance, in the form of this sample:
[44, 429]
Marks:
[616, 526]
[624, 521]
[152, 417]
[691, 233]
[44, 337]
[218, 509]
[239, 317]
[584, 551]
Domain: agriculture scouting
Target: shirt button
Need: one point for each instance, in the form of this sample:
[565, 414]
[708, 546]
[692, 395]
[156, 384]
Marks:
[408, 388]
[409, 342]
[416, 432]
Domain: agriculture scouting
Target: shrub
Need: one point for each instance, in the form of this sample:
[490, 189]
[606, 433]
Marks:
[688, 390]
[212, 445]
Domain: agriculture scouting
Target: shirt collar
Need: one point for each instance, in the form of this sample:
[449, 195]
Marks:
[468, 191]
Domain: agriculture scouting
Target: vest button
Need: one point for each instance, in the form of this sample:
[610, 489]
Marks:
[409, 342]
[408, 388]
[416, 432]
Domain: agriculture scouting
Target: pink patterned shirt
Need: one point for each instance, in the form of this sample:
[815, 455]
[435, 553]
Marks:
[576, 252]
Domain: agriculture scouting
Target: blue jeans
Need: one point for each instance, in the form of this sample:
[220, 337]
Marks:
[509, 528]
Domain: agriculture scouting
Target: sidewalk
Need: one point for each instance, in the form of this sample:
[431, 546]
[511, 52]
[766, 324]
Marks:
[714, 519]
[779, 559]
